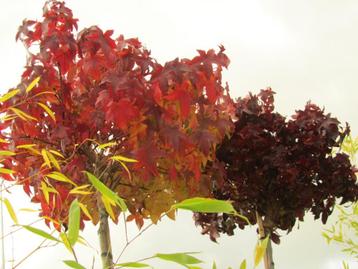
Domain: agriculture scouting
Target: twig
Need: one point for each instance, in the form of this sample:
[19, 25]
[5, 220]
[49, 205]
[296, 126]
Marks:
[138, 235]
[32, 252]
[18, 229]
[2, 229]
[40, 246]
[125, 227]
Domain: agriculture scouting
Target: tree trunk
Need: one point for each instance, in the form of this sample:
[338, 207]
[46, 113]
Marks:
[104, 236]
[268, 260]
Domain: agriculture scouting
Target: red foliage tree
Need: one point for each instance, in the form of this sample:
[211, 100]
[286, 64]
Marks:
[100, 97]
[278, 169]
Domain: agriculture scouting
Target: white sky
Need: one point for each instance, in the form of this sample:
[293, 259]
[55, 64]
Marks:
[305, 50]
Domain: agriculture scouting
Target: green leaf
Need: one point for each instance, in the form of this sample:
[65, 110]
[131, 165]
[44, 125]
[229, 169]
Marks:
[180, 258]
[48, 111]
[46, 158]
[121, 158]
[7, 153]
[205, 205]
[8, 95]
[105, 191]
[74, 222]
[74, 264]
[133, 265]
[40, 232]
[214, 266]
[6, 171]
[21, 114]
[32, 84]
[65, 241]
[106, 145]
[260, 250]
[243, 264]
[11, 210]
[60, 177]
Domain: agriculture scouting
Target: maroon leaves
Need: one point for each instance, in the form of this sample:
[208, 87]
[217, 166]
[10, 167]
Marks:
[280, 167]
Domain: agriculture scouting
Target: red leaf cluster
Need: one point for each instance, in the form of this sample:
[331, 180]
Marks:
[103, 89]
[280, 168]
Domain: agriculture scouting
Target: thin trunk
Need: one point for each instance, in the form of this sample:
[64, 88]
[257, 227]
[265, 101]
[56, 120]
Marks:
[268, 260]
[104, 236]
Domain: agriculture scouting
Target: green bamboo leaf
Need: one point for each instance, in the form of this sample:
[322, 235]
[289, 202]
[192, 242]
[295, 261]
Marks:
[243, 264]
[7, 153]
[74, 222]
[11, 210]
[106, 145]
[40, 232]
[260, 250]
[60, 177]
[133, 265]
[105, 191]
[32, 84]
[181, 258]
[48, 111]
[65, 241]
[6, 171]
[121, 158]
[73, 264]
[22, 114]
[8, 95]
[205, 205]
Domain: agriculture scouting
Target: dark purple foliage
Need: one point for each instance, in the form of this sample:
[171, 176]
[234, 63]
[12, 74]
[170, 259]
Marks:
[279, 167]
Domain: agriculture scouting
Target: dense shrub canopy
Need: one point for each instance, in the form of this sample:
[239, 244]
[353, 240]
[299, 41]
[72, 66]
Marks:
[280, 167]
[95, 89]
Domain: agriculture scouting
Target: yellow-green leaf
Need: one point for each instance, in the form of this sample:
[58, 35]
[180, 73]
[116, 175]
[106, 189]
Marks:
[11, 210]
[243, 264]
[65, 241]
[29, 210]
[126, 168]
[32, 84]
[4, 141]
[105, 191]
[26, 146]
[22, 114]
[74, 264]
[7, 153]
[74, 222]
[85, 210]
[40, 232]
[57, 153]
[123, 159]
[45, 191]
[205, 205]
[260, 250]
[48, 111]
[106, 145]
[180, 258]
[8, 95]
[46, 158]
[6, 171]
[81, 190]
[53, 160]
[60, 177]
[108, 207]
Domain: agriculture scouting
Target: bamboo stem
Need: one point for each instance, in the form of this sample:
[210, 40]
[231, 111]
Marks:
[268, 258]
[104, 236]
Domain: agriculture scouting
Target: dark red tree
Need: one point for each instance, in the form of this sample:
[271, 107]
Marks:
[276, 169]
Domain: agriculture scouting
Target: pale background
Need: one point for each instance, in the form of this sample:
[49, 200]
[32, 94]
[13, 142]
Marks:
[305, 50]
